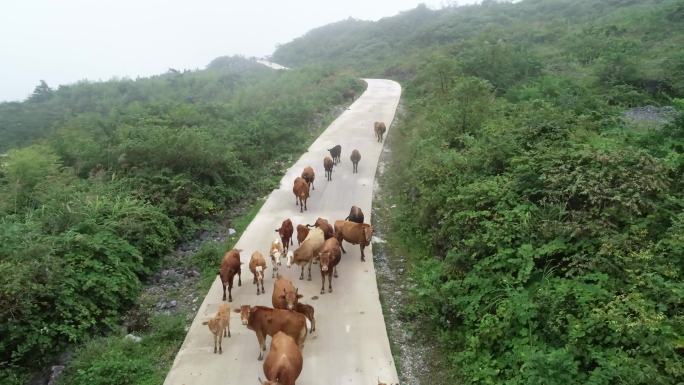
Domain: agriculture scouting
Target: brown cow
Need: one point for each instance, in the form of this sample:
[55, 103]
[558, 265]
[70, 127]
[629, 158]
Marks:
[328, 165]
[309, 176]
[349, 94]
[284, 361]
[302, 232]
[285, 232]
[230, 265]
[323, 224]
[305, 254]
[308, 312]
[301, 192]
[330, 257]
[257, 265]
[355, 215]
[285, 295]
[355, 158]
[276, 253]
[267, 322]
[354, 233]
[380, 129]
[220, 326]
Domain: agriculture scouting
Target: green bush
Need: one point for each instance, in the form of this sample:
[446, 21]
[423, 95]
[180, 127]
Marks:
[117, 360]
[129, 169]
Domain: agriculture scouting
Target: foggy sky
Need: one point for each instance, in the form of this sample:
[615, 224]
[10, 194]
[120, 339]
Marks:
[63, 41]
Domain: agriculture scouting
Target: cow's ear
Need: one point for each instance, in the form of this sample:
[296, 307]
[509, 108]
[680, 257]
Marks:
[300, 296]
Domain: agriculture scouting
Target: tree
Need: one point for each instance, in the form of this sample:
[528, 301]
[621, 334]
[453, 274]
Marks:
[41, 93]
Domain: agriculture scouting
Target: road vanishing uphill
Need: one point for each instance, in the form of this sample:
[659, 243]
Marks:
[350, 344]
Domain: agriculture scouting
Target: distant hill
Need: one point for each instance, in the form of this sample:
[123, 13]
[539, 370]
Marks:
[561, 36]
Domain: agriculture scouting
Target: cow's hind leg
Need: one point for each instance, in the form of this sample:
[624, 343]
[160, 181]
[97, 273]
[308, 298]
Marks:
[262, 345]
[301, 276]
[220, 342]
[215, 343]
[330, 283]
[310, 262]
[335, 270]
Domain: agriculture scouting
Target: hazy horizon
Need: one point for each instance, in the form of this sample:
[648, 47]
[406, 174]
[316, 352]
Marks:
[72, 40]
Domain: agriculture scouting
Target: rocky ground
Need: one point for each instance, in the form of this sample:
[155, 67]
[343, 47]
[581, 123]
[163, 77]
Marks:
[409, 348]
[652, 115]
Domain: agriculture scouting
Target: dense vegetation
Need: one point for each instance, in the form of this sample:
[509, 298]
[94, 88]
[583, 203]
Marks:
[546, 230]
[100, 180]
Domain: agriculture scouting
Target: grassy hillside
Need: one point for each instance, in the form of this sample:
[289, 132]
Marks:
[101, 180]
[545, 229]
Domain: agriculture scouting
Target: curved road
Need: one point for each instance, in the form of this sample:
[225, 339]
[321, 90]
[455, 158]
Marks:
[350, 344]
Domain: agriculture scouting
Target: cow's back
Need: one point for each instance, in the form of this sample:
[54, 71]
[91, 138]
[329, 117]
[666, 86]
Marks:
[284, 360]
[316, 239]
[289, 322]
[230, 263]
[280, 287]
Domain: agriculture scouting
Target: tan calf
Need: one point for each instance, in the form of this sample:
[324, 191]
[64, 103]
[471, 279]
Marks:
[257, 265]
[276, 252]
[220, 326]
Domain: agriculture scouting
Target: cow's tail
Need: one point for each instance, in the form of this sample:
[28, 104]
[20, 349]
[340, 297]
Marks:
[302, 334]
[307, 324]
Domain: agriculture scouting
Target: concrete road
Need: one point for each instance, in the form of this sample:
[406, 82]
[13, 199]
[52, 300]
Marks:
[350, 344]
[271, 64]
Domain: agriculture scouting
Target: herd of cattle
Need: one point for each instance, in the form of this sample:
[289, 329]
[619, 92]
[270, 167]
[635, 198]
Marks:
[320, 243]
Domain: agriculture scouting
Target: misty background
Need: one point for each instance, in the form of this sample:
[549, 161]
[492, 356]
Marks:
[66, 41]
